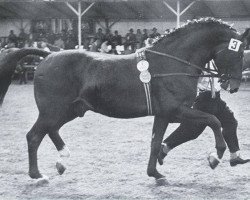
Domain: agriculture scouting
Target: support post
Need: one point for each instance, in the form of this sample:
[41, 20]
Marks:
[79, 14]
[80, 25]
[178, 15]
[177, 12]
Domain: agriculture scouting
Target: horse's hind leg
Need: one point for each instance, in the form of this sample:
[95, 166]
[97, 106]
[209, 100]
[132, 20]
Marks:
[34, 139]
[159, 128]
[62, 149]
[78, 109]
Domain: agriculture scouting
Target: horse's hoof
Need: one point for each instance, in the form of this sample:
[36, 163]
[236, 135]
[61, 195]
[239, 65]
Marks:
[60, 168]
[213, 160]
[161, 181]
[35, 175]
[42, 181]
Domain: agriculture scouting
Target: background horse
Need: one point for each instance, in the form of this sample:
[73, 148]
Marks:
[69, 83]
[8, 62]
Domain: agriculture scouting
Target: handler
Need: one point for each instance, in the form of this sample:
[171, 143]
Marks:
[209, 101]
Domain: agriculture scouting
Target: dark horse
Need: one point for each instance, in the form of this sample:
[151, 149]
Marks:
[69, 83]
[8, 62]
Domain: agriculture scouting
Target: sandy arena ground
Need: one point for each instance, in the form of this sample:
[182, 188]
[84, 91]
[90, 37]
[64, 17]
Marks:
[109, 157]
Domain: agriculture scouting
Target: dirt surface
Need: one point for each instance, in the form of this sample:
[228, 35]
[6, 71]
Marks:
[109, 157]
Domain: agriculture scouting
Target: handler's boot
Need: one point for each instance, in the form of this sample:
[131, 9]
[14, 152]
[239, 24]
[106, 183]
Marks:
[238, 160]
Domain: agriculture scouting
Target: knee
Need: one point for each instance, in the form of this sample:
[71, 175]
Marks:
[32, 139]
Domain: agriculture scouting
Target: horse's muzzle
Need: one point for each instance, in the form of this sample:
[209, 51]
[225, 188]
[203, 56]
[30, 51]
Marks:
[234, 90]
[234, 85]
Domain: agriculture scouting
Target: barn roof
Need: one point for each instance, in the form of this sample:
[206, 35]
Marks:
[124, 9]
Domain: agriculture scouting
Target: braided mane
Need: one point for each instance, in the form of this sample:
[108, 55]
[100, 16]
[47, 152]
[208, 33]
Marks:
[194, 24]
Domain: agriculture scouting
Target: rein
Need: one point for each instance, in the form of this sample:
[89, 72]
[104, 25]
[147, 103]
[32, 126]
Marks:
[210, 71]
[214, 73]
[186, 74]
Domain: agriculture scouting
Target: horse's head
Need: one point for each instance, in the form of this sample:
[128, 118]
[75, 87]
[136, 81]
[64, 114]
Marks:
[228, 57]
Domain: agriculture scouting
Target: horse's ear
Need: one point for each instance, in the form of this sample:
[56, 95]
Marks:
[245, 37]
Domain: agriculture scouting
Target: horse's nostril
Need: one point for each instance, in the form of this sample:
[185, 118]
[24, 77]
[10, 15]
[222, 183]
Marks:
[234, 90]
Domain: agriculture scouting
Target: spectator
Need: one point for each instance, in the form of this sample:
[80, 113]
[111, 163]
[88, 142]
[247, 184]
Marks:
[12, 39]
[130, 40]
[51, 37]
[22, 74]
[105, 47]
[144, 36]
[71, 40]
[99, 35]
[139, 38]
[43, 45]
[94, 45]
[108, 35]
[22, 37]
[117, 39]
[59, 42]
[155, 33]
[26, 44]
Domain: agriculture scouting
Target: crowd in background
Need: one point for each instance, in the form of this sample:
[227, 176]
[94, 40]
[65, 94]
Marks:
[102, 41]
[115, 43]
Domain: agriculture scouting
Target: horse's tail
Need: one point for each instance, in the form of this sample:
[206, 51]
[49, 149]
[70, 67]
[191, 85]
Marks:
[8, 63]
[21, 53]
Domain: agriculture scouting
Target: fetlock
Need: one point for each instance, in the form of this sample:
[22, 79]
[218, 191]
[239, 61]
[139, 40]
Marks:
[220, 151]
[162, 153]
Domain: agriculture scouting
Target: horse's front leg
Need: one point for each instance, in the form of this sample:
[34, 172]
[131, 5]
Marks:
[159, 128]
[204, 119]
